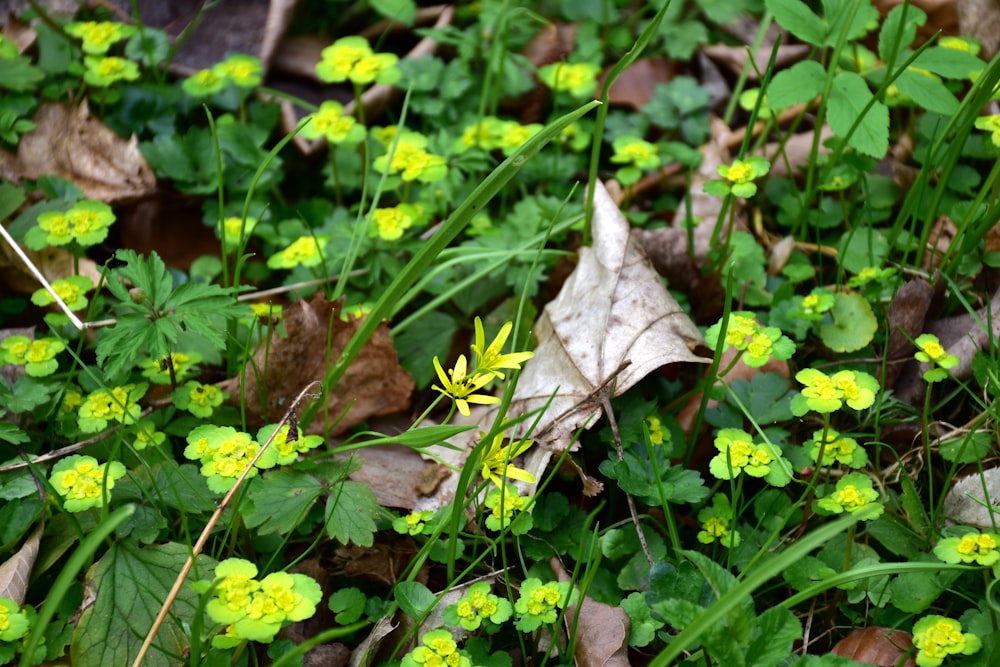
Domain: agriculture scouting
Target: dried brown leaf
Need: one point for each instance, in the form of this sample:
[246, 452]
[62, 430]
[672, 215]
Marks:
[734, 58]
[634, 87]
[70, 143]
[907, 315]
[16, 570]
[877, 646]
[252, 27]
[601, 630]
[374, 384]
[974, 500]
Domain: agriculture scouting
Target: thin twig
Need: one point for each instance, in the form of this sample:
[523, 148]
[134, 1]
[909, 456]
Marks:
[182, 575]
[606, 404]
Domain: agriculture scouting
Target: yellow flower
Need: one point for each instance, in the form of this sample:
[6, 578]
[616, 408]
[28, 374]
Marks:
[496, 465]
[461, 387]
[489, 360]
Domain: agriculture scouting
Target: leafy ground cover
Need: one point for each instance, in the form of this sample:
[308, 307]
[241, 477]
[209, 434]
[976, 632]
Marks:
[595, 333]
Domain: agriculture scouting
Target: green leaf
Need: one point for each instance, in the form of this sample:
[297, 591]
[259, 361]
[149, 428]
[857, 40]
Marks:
[180, 487]
[28, 394]
[862, 248]
[130, 583]
[896, 537]
[414, 598]
[404, 11]
[348, 604]
[913, 592]
[799, 83]
[949, 63]
[350, 513]
[927, 91]
[796, 17]
[12, 434]
[11, 198]
[766, 397]
[777, 630]
[848, 98]
[972, 447]
[188, 160]
[19, 74]
[838, 12]
[899, 30]
[854, 324]
[432, 338]
[643, 627]
[279, 501]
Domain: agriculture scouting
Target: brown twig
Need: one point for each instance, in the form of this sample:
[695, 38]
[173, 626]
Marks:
[199, 545]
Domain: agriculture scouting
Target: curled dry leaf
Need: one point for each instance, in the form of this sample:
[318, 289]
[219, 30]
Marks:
[70, 143]
[612, 324]
[601, 630]
[877, 646]
[374, 384]
[16, 570]
[974, 500]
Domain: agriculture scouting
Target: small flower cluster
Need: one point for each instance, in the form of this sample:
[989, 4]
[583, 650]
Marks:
[931, 352]
[496, 465]
[98, 36]
[330, 123]
[814, 305]
[738, 453]
[305, 250]
[14, 625]
[243, 71]
[492, 133]
[413, 523]
[507, 507]
[288, 450]
[72, 291]
[412, 161]
[391, 222]
[836, 449]
[86, 223]
[540, 603]
[937, 637]
[236, 230]
[827, 393]
[120, 404]
[973, 547]
[199, 399]
[224, 453]
[489, 362]
[102, 71]
[37, 356]
[157, 371]
[479, 607]
[637, 155]
[757, 343]
[437, 649]
[716, 523]
[352, 59]
[870, 274]
[990, 124]
[852, 494]
[83, 482]
[257, 609]
[577, 79]
[146, 435]
[739, 177]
